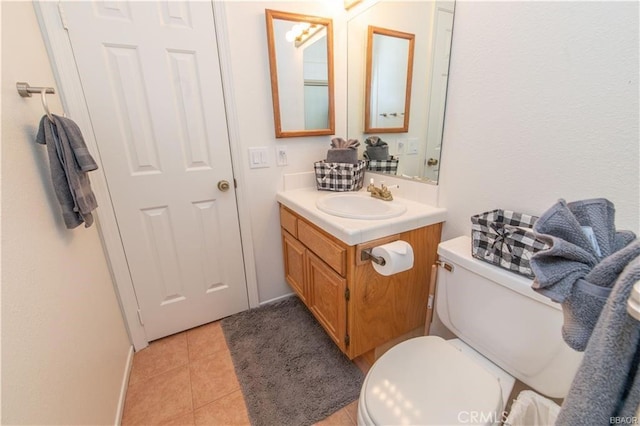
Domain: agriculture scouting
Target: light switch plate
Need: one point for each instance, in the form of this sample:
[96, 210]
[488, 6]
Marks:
[412, 146]
[258, 157]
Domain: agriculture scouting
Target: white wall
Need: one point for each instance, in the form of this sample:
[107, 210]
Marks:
[252, 96]
[542, 104]
[64, 345]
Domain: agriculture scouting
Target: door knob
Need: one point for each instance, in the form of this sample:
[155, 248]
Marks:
[432, 162]
[224, 185]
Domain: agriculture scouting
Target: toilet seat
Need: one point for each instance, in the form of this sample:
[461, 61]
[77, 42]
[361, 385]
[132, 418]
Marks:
[428, 381]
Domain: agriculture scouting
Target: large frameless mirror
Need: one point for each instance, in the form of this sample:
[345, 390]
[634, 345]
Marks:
[301, 64]
[413, 152]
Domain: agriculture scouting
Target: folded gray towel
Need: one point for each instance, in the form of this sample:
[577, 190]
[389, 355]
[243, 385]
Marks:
[582, 308]
[342, 155]
[377, 149]
[568, 272]
[599, 215]
[374, 141]
[69, 162]
[343, 151]
[340, 143]
[607, 383]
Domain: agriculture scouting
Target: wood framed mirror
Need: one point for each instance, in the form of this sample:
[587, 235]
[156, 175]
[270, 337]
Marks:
[301, 65]
[388, 80]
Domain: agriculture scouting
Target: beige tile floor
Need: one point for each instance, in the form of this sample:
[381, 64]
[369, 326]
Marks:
[188, 379]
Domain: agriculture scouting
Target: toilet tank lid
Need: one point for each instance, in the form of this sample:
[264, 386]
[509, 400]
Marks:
[458, 252]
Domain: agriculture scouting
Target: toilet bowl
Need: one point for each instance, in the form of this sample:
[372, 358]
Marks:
[505, 331]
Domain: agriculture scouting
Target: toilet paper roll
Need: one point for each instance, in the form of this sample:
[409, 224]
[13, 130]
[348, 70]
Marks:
[398, 257]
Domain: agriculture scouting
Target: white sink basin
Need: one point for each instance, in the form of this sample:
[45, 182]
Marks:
[359, 206]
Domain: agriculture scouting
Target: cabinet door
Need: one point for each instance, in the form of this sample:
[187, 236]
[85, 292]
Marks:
[294, 264]
[326, 298]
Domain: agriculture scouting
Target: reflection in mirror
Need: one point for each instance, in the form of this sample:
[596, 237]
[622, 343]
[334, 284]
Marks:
[301, 64]
[416, 153]
[388, 86]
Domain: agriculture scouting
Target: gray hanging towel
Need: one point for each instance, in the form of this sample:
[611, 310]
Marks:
[69, 162]
[580, 235]
[607, 383]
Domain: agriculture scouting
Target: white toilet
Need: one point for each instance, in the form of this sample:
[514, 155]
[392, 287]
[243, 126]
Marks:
[505, 331]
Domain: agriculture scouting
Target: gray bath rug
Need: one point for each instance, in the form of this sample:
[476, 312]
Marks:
[290, 371]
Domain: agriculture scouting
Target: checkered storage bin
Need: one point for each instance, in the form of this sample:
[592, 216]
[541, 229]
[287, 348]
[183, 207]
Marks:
[389, 166]
[505, 238]
[339, 176]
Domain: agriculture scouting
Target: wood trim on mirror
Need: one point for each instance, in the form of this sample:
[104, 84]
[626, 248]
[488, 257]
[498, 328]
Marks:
[407, 101]
[328, 23]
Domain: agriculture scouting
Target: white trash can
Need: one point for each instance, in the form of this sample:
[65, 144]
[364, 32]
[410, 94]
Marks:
[532, 409]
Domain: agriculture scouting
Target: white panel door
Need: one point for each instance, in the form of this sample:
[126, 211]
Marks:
[440, 76]
[151, 78]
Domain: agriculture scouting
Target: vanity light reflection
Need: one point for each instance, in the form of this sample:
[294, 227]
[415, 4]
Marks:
[302, 32]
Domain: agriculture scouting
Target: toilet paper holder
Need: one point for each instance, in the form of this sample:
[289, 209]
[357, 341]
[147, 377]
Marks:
[366, 254]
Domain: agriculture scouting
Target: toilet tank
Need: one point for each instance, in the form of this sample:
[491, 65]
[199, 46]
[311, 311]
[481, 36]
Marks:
[498, 314]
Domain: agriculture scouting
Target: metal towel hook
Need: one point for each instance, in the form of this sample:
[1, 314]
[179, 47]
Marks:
[25, 91]
[43, 94]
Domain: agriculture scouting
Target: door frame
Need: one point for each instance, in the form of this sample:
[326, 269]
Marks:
[58, 44]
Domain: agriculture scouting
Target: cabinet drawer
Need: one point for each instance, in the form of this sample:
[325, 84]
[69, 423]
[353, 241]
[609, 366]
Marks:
[319, 243]
[289, 221]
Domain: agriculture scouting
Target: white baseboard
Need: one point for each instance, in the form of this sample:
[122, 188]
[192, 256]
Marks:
[123, 387]
[276, 299]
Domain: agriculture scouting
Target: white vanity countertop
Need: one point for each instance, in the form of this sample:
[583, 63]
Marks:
[356, 231]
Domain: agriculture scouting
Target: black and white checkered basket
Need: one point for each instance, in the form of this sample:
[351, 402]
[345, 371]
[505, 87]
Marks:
[339, 176]
[385, 166]
[505, 238]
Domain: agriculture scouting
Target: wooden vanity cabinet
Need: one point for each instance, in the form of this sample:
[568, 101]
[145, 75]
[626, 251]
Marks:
[358, 308]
